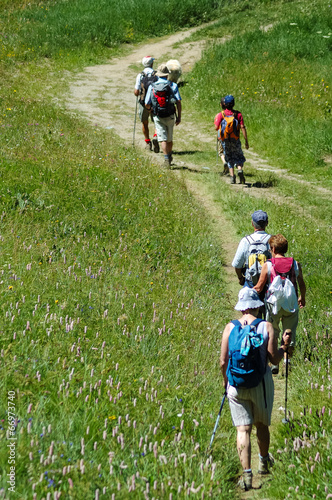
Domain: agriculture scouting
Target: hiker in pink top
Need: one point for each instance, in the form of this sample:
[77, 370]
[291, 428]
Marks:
[283, 276]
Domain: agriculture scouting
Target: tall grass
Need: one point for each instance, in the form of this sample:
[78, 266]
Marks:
[281, 80]
[63, 28]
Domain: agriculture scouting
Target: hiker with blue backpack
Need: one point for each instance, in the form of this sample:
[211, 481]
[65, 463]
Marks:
[246, 347]
[283, 276]
[164, 100]
[143, 81]
[228, 125]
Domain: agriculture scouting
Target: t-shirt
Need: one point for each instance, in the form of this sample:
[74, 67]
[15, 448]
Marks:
[228, 112]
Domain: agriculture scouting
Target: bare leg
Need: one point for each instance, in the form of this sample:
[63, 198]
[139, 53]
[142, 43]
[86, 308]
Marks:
[263, 439]
[169, 147]
[164, 147]
[244, 445]
[145, 129]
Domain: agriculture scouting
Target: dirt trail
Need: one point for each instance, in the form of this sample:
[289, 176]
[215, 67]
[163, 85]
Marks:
[98, 93]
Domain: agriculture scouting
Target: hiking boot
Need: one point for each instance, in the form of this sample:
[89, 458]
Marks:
[241, 177]
[148, 146]
[155, 143]
[233, 179]
[265, 464]
[245, 481]
[275, 369]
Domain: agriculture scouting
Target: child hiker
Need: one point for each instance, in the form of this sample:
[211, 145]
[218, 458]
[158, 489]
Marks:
[231, 121]
[217, 121]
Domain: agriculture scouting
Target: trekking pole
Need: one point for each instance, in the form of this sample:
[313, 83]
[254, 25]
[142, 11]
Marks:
[135, 123]
[217, 152]
[285, 420]
[218, 418]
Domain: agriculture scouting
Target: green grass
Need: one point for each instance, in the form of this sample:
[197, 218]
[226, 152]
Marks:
[111, 283]
[112, 280]
[281, 80]
[81, 31]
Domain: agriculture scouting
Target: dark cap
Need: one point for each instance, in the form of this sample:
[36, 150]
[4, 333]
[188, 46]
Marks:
[229, 99]
[260, 216]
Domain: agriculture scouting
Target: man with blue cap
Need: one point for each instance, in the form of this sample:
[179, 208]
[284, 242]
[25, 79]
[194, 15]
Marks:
[252, 252]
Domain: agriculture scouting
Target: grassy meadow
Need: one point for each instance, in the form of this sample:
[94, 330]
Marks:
[113, 291]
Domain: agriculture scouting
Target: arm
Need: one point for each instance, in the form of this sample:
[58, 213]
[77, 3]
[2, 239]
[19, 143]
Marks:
[136, 92]
[239, 272]
[302, 287]
[217, 121]
[224, 353]
[179, 109]
[275, 355]
[244, 132]
[262, 279]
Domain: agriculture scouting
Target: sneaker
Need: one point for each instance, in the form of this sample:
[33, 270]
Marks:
[245, 481]
[241, 177]
[148, 146]
[155, 143]
[275, 369]
[265, 464]
[233, 179]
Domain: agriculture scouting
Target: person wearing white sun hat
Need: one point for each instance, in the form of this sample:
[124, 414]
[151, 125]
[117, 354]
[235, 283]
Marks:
[252, 405]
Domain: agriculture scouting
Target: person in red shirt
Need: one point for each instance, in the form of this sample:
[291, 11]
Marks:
[234, 156]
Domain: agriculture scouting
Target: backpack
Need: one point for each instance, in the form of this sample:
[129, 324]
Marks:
[282, 291]
[146, 81]
[162, 99]
[258, 253]
[245, 367]
[229, 127]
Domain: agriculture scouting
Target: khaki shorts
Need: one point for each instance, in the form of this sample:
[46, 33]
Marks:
[143, 113]
[164, 128]
[289, 320]
[248, 405]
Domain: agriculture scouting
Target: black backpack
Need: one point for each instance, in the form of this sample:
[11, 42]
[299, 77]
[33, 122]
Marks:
[162, 99]
[146, 81]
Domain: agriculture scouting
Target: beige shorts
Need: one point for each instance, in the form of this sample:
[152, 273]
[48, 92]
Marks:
[143, 113]
[164, 128]
[288, 320]
[248, 405]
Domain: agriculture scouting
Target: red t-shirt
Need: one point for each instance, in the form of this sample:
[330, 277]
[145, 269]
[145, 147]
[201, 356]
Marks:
[228, 112]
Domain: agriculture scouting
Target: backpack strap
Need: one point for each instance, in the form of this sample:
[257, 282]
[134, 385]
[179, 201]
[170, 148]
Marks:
[256, 322]
[236, 322]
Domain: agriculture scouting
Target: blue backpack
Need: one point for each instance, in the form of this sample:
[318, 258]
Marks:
[245, 367]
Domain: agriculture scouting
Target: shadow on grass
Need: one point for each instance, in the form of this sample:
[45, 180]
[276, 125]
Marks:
[180, 153]
[201, 170]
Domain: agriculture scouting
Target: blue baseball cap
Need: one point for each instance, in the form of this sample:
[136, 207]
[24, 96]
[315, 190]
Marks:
[260, 216]
[229, 99]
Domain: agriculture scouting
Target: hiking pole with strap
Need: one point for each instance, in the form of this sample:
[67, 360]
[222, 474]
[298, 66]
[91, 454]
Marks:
[135, 122]
[218, 418]
[285, 420]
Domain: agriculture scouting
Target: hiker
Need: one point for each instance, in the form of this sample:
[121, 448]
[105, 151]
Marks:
[250, 391]
[162, 97]
[282, 275]
[229, 125]
[175, 70]
[252, 252]
[221, 143]
[143, 81]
